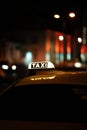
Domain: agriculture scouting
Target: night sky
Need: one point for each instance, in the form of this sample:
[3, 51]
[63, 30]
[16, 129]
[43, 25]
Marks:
[18, 18]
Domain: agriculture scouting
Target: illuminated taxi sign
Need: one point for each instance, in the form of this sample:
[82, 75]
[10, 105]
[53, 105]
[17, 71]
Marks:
[41, 65]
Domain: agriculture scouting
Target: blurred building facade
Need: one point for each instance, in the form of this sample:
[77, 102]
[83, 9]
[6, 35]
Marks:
[39, 46]
[47, 45]
[9, 52]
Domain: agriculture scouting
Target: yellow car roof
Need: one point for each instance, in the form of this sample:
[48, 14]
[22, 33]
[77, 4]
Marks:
[56, 77]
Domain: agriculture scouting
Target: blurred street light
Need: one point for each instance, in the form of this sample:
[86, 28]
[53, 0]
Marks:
[61, 38]
[57, 16]
[72, 15]
[79, 39]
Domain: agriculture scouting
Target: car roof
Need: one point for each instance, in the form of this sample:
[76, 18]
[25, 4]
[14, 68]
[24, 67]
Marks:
[55, 77]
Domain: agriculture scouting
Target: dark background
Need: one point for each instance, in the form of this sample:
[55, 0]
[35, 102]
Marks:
[18, 18]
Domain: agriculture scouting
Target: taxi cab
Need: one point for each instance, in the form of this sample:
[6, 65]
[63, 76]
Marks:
[47, 95]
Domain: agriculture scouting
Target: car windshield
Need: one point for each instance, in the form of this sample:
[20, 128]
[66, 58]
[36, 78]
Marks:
[56, 102]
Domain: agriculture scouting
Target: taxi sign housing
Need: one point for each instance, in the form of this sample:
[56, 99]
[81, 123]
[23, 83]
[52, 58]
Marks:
[41, 65]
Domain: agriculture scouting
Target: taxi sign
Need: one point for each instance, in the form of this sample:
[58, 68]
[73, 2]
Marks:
[41, 65]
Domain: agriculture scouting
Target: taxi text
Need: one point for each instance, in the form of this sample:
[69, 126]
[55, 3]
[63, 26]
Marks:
[39, 65]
